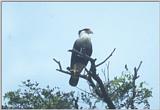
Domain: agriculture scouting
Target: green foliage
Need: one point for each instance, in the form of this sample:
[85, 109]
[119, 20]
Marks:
[89, 100]
[30, 96]
[120, 90]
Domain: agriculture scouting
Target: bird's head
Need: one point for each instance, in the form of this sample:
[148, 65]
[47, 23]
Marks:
[86, 31]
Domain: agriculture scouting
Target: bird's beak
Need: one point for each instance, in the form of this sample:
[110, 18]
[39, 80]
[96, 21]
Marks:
[91, 32]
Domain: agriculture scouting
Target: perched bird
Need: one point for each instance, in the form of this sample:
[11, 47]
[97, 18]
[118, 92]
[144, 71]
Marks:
[78, 63]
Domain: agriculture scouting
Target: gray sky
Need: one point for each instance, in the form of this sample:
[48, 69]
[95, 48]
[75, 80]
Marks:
[35, 32]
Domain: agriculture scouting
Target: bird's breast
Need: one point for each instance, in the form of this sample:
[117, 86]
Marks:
[85, 41]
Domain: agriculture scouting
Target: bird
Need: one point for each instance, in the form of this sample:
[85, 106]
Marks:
[83, 45]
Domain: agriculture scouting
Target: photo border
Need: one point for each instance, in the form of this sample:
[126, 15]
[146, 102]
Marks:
[2, 1]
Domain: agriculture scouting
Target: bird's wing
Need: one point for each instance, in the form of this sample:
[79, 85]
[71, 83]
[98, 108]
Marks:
[74, 55]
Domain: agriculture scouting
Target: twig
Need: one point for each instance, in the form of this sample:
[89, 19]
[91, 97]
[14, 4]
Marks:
[139, 66]
[58, 62]
[81, 54]
[126, 67]
[85, 91]
[134, 85]
[101, 92]
[92, 84]
[67, 72]
[92, 74]
[108, 71]
[104, 71]
[106, 58]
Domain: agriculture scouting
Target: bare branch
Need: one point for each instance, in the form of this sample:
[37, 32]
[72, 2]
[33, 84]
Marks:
[85, 91]
[82, 55]
[102, 94]
[108, 71]
[134, 85]
[67, 72]
[104, 73]
[139, 66]
[63, 71]
[100, 91]
[126, 67]
[91, 83]
[106, 58]
[58, 62]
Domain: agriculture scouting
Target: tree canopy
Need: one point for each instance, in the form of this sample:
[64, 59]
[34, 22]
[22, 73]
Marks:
[31, 96]
[120, 89]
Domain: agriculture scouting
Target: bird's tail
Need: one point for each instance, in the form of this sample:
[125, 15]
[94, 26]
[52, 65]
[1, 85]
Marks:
[75, 71]
[74, 80]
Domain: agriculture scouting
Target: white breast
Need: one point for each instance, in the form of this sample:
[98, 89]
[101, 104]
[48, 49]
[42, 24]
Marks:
[84, 36]
[84, 41]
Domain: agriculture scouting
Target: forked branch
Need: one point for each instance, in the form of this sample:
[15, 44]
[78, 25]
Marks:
[66, 72]
[106, 58]
[135, 76]
[102, 93]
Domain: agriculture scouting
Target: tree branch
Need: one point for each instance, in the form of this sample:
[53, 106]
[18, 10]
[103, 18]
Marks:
[101, 92]
[134, 85]
[67, 72]
[139, 66]
[86, 91]
[106, 58]
[89, 58]
[58, 62]
[108, 72]
[82, 55]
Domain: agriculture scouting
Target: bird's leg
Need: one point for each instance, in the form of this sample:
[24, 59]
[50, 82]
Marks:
[71, 70]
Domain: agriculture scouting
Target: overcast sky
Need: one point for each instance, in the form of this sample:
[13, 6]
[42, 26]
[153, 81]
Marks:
[35, 32]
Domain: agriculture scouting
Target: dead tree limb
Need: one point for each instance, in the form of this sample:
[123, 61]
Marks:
[67, 72]
[82, 55]
[108, 72]
[103, 94]
[92, 75]
[106, 58]
[135, 76]
[58, 62]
